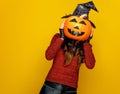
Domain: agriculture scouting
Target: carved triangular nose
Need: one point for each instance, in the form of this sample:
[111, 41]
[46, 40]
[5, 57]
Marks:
[76, 27]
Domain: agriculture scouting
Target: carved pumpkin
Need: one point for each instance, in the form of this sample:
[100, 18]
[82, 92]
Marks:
[77, 28]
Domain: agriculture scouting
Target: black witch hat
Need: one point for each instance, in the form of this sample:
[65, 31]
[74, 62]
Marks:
[83, 9]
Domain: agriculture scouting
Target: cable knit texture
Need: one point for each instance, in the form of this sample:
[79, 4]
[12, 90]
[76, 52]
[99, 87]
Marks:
[59, 73]
[89, 56]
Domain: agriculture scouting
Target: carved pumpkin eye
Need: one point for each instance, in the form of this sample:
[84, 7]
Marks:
[73, 20]
[82, 22]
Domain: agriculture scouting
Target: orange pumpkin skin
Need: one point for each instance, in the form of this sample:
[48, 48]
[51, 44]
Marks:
[77, 28]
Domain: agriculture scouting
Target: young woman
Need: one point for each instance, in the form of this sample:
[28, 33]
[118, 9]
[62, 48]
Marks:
[67, 55]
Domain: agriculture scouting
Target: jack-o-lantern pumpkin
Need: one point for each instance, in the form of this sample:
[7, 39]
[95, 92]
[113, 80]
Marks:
[77, 28]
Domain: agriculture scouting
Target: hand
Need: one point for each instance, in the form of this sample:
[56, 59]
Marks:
[88, 40]
[90, 37]
[62, 33]
[61, 30]
[62, 25]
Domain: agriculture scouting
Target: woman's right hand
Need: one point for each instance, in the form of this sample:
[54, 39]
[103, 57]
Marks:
[62, 30]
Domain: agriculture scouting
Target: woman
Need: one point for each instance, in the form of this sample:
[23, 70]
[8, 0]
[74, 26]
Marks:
[67, 55]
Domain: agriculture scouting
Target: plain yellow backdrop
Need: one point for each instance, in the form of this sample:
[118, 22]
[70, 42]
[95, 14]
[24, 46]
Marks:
[26, 28]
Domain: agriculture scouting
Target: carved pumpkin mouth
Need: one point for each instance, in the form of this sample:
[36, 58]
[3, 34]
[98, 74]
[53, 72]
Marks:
[75, 33]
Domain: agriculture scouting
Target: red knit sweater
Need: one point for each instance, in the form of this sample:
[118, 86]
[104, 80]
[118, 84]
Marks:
[66, 75]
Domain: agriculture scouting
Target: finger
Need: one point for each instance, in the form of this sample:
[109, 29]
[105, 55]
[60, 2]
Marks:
[62, 25]
[92, 32]
[84, 16]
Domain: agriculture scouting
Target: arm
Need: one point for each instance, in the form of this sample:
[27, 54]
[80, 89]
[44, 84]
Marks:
[54, 46]
[89, 56]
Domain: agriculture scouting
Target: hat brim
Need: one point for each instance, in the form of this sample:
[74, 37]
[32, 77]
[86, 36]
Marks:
[66, 16]
[92, 23]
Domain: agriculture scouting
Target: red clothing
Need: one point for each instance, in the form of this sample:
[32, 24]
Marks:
[66, 75]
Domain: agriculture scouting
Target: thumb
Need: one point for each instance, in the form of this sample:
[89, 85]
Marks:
[62, 25]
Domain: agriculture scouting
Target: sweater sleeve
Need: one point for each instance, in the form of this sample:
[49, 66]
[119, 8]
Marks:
[89, 56]
[54, 46]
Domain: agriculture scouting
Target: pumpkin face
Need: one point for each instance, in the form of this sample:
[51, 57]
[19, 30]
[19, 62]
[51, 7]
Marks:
[77, 28]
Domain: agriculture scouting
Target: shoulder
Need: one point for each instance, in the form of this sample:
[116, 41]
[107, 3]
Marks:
[57, 35]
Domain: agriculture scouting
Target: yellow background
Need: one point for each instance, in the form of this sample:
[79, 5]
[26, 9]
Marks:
[26, 28]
